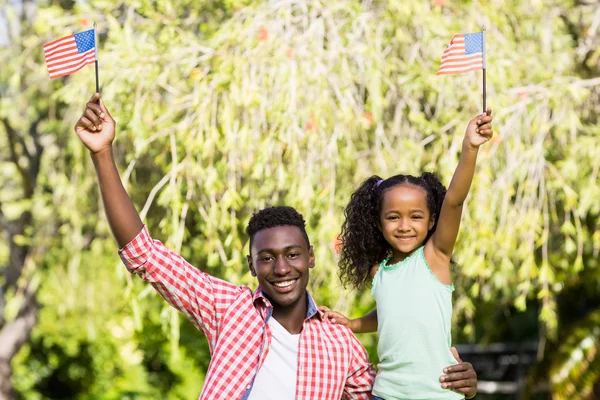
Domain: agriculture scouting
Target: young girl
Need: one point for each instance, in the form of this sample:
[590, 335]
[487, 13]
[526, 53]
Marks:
[400, 233]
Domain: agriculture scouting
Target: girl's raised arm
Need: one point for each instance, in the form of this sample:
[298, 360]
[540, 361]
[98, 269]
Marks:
[479, 131]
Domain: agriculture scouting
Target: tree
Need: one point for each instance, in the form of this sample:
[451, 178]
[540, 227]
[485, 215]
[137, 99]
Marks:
[21, 160]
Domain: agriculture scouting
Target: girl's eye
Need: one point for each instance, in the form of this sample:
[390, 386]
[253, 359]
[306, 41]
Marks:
[417, 217]
[392, 218]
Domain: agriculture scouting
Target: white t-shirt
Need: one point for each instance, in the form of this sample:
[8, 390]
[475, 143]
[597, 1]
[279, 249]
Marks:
[276, 379]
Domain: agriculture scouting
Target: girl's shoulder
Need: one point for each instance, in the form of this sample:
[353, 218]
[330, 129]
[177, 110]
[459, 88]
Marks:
[438, 263]
[374, 270]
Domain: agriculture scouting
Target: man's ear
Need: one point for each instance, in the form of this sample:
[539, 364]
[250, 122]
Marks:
[250, 265]
[311, 257]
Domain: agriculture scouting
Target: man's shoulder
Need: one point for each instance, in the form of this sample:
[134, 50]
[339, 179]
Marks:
[232, 289]
[335, 331]
[339, 342]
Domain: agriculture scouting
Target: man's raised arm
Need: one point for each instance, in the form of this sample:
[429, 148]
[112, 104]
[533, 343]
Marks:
[96, 129]
[203, 298]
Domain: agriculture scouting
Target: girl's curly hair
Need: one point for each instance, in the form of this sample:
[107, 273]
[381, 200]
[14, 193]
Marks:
[363, 244]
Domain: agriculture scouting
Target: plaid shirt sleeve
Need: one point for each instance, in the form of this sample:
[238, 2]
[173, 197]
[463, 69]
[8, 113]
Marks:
[201, 297]
[361, 375]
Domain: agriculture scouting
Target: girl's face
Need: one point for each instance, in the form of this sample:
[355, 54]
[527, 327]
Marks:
[404, 219]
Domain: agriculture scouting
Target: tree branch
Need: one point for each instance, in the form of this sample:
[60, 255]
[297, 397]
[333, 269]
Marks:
[33, 132]
[5, 223]
[15, 333]
[21, 141]
[34, 160]
[12, 134]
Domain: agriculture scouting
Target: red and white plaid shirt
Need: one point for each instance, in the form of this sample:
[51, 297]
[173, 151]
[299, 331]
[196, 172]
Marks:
[332, 364]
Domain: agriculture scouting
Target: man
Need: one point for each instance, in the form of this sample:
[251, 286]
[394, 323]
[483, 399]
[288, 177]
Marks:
[267, 344]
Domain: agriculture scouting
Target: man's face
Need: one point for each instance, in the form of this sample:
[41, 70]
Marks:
[280, 259]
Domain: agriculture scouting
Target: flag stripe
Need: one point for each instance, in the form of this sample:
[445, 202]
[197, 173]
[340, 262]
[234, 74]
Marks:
[454, 58]
[68, 61]
[72, 68]
[64, 56]
[57, 42]
[59, 50]
[458, 71]
[461, 63]
[70, 64]
[460, 57]
[460, 68]
[454, 52]
[68, 71]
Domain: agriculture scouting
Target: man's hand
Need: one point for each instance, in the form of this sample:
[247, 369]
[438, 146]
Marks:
[460, 378]
[96, 127]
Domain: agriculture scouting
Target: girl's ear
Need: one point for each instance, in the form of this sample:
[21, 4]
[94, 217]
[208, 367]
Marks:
[431, 223]
[379, 224]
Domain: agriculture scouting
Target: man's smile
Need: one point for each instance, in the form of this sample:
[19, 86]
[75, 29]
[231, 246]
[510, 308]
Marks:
[284, 286]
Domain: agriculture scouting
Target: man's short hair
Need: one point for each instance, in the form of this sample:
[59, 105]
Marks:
[271, 217]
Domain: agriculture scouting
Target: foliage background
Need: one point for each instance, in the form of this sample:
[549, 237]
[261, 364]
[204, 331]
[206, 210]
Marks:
[226, 106]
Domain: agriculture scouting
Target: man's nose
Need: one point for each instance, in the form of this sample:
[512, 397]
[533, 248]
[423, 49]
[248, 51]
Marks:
[281, 267]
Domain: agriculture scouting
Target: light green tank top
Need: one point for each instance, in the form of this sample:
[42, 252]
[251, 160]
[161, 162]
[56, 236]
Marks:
[414, 314]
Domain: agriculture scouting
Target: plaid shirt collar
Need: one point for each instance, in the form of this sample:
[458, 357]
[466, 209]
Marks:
[311, 309]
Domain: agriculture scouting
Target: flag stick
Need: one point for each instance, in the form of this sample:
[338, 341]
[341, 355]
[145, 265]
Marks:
[96, 56]
[484, 106]
[483, 47]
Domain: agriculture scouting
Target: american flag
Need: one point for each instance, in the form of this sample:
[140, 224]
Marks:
[464, 53]
[70, 53]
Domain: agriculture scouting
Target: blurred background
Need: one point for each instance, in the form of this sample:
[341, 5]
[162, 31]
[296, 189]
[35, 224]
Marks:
[227, 106]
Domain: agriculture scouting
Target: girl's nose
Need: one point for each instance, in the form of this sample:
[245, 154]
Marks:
[404, 224]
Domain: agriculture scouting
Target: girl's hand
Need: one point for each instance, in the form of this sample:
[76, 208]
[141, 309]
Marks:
[334, 317]
[96, 127]
[479, 130]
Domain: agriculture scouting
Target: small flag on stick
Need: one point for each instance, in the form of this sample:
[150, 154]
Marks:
[69, 54]
[464, 53]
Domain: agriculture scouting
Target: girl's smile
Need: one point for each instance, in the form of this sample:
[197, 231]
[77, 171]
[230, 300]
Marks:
[405, 219]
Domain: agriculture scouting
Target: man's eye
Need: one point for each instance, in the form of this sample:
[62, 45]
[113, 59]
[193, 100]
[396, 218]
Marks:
[293, 255]
[266, 258]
